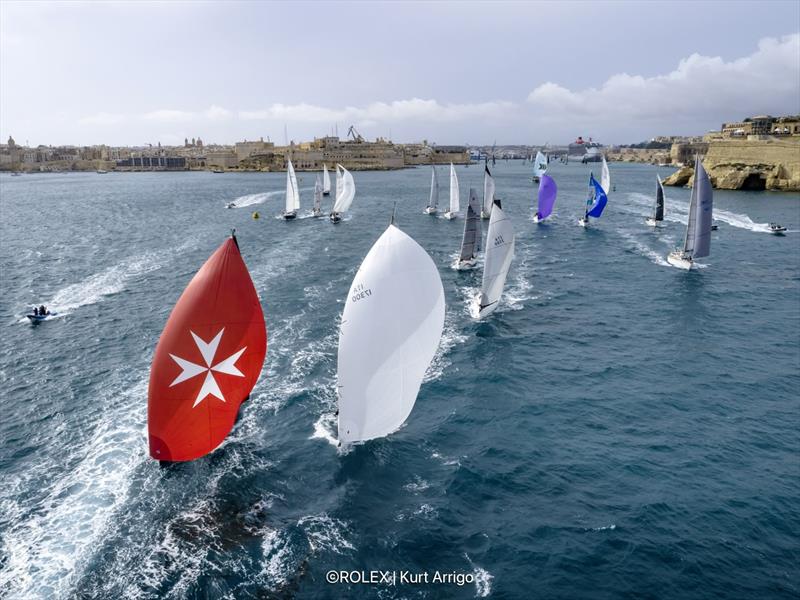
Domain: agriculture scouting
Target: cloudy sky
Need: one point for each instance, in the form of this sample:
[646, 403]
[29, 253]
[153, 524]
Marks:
[462, 72]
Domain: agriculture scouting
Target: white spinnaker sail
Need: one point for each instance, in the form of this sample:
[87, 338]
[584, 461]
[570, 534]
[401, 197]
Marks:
[326, 180]
[499, 252]
[292, 193]
[391, 327]
[488, 192]
[539, 165]
[605, 178]
[344, 193]
[454, 194]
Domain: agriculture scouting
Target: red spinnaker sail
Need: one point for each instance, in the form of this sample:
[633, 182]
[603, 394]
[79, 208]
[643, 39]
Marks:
[207, 361]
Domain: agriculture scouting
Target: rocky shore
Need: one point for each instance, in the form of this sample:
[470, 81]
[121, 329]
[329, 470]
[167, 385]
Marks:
[770, 164]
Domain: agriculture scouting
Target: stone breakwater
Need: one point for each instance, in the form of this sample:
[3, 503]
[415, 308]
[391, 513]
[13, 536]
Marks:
[771, 164]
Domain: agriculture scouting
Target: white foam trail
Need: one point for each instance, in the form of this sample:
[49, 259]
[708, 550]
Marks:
[451, 336]
[644, 250]
[323, 429]
[251, 199]
[47, 552]
[483, 579]
[111, 281]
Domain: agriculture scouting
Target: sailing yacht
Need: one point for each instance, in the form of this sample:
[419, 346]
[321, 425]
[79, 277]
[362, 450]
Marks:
[488, 193]
[292, 194]
[697, 243]
[658, 211]
[318, 193]
[452, 212]
[595, 202]
[539, 167]
[326, 181]
[497, 261]
[345, 192]
[547, 198]
[433, 200]
[390, 329]
[471, 241]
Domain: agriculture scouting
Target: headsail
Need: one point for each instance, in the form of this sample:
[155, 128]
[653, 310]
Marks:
[597, 199]
[207, 360]
[698, 230]
[338, 182]
[547, 196]
[326, 180]
[497, 261]
[292, 193]
[471, 242]
[488, 193]
[433, 200]
[539, 165]
[605, 177]
[454, 193]
[344, 192]
[391, 327]
[659, 212]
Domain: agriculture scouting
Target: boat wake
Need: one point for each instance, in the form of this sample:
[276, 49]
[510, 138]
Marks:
[252, 199]
[451, 336]
[112, 280]
[483, 579]
[642, 249]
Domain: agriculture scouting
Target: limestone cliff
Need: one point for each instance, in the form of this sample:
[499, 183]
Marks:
[753, 164]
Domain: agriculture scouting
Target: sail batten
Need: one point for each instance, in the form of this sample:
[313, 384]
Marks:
[391, 327]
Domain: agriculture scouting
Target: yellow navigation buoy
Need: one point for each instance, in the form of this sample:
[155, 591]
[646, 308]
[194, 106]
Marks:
[256, 215]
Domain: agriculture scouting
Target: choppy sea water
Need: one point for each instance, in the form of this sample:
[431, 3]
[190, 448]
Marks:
[618, 428]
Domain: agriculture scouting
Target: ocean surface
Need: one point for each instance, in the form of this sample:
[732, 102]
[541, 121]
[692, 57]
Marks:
[617, 429]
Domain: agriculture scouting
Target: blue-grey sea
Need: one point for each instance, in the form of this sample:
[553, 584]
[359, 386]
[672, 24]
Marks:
[617, 429]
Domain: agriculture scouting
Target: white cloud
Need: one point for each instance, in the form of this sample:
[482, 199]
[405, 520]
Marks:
[766, 81]
[376, 112]
[170, 116]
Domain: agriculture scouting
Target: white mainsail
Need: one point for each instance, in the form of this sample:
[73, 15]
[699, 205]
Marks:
[539, 165]
[317, 196]
[326, 180]
[499, 252]
[292, 193]
[433, 201]
[488, 193]
[345, 191]
[605, 178]
[391, 327]
[454, 194]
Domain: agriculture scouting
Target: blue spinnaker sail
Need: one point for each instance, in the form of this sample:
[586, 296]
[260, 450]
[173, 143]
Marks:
[599, 201]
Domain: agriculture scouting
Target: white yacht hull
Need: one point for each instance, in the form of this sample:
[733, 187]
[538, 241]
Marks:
[466, 265]
[430, 210]
[288, 216]
[651, 222]
[449, 216]
[676, 259]
[536, 219]
[583, 222]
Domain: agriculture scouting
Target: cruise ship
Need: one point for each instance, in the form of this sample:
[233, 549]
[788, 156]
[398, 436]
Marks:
[585, 151]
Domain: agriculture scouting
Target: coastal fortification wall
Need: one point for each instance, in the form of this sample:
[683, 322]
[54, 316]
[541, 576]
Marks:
[767, 164]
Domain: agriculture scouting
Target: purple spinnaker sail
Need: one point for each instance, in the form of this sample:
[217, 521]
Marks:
[547, 196]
